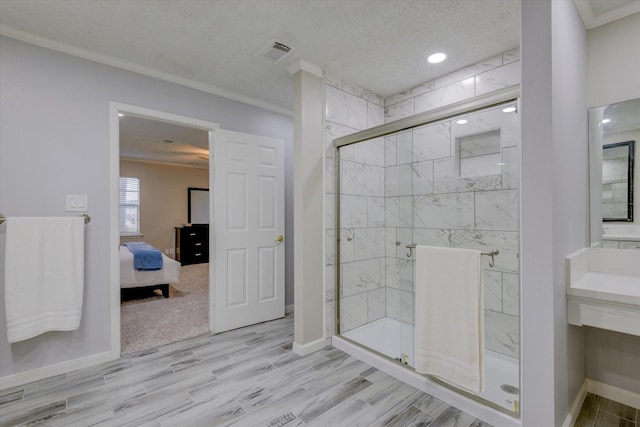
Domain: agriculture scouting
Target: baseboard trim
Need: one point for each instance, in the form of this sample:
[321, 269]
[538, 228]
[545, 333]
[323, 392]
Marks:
[288, 309]
[304, 349]
[60, 368]
[576, 406]
[614, 393]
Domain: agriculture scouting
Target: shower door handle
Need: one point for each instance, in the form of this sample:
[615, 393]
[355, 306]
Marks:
[411, 247]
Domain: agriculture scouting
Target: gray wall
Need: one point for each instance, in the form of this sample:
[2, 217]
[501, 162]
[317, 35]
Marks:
[54, 139]
[554, 203]
[613, 61]
[571, 189]
[612, 358]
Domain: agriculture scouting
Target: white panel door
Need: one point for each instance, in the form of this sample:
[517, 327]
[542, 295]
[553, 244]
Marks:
[248, 218]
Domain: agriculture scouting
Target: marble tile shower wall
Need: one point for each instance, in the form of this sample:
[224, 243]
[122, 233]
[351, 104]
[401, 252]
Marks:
[484, 77]
[350, 109]
[362, 239]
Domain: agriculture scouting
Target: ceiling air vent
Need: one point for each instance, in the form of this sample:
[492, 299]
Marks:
[273, 52]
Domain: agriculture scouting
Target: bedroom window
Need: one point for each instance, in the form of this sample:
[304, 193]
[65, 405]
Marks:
[129, 206]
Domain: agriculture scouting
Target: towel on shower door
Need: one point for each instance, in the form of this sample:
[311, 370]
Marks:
[449, 316]
[43, 276]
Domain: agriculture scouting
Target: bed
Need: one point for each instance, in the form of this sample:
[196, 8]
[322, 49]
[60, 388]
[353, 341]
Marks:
[131, 278]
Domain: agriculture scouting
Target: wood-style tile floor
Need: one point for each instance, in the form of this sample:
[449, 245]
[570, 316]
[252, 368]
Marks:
[598, 411]
[246, 377]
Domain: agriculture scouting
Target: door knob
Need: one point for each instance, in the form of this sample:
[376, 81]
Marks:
[279, 239]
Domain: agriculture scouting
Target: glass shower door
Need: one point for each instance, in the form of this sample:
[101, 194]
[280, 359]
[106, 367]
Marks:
[466, 195]
[451, 183]
[362, 245]
[399, 230]
[375, 222]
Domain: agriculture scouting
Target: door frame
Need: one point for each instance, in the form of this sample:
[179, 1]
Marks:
[116, 108]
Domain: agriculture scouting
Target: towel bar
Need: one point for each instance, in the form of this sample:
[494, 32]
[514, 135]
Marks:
[86, 217]
[491, 253]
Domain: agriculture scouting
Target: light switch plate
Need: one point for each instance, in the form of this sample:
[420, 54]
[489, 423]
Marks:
[77, 203]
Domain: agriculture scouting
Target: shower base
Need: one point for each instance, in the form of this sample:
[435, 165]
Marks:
[394, 339]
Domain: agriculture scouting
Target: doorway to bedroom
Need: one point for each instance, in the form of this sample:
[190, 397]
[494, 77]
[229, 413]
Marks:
[163, 203]
[246, 214]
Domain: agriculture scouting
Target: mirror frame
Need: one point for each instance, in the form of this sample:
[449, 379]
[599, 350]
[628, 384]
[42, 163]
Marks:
[630, 174]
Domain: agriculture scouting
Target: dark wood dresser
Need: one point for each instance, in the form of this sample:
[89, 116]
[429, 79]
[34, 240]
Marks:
[192, 244]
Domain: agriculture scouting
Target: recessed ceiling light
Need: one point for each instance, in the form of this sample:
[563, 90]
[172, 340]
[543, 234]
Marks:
[437, 57]
[604, 121]
[461, 122]
[509, 109]
[120, 115]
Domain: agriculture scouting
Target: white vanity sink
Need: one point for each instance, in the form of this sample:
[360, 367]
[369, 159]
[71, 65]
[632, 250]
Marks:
[627, 237]
[603, 289]
[621, 236]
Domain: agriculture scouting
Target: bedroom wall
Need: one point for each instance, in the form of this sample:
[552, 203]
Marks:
[54, 140]
[163, 199]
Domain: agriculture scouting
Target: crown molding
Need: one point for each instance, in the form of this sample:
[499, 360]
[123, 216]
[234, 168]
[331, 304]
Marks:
[302, 65]
[591, 21]
[25, 36]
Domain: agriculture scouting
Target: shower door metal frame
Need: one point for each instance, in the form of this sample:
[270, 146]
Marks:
[481, 102]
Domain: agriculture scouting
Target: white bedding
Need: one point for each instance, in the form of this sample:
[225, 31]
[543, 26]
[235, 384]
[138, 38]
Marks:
[132, 278]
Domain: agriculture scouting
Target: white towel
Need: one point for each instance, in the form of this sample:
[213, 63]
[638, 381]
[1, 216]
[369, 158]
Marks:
[449, 329]
[44, 275]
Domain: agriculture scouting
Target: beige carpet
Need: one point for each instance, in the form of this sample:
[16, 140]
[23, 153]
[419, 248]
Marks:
[155, 321]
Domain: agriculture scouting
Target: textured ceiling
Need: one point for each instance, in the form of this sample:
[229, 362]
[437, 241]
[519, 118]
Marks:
[380, 45]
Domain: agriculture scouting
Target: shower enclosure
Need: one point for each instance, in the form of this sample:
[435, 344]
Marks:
[450, 182]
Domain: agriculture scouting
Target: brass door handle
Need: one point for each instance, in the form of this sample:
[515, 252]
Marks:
[279, 239]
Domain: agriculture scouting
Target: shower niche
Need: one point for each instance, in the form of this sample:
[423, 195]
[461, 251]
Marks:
[478, 154]
[452, 182]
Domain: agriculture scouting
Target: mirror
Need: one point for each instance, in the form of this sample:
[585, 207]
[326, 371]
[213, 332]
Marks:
[613, 130]
[617, 181]
[198, 205]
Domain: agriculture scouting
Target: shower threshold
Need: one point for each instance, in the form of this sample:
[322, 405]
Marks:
[394, 339]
